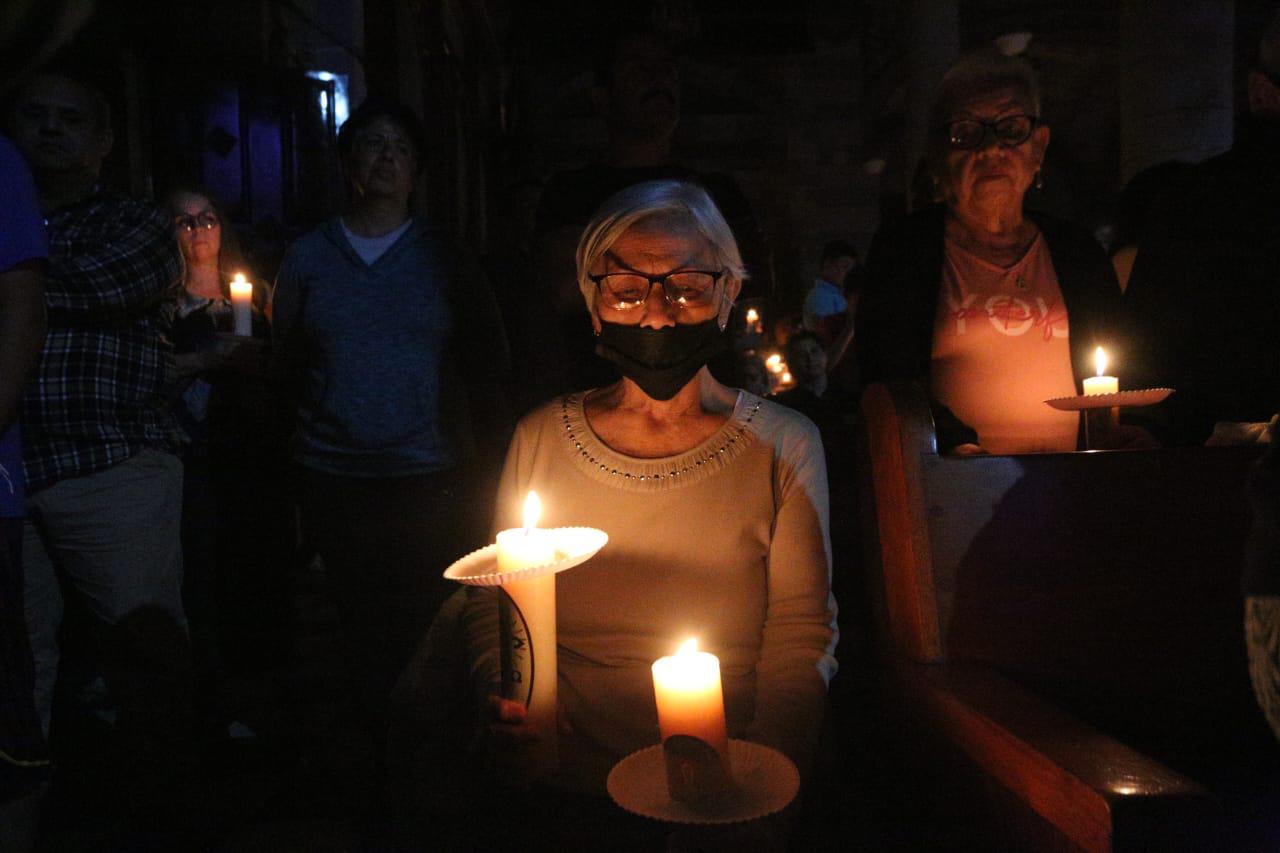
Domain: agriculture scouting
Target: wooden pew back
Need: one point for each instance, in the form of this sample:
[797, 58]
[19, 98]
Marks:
[1108, 582]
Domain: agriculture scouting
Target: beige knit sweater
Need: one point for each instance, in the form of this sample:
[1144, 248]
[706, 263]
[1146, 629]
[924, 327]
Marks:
[728, 543]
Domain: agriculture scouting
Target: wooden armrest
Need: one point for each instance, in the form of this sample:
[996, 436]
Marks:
[899, 429]
[1090, 787]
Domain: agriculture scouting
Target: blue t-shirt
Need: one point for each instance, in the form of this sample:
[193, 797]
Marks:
[823, 300]
[22, 238]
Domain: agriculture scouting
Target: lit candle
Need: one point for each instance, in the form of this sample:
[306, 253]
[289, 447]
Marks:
[1100, 384]
[242, 305]
[774, 363]
[527, 631]
[786, 378]
[526, 546]
[690, 701]
[753, 317]
[695, 745]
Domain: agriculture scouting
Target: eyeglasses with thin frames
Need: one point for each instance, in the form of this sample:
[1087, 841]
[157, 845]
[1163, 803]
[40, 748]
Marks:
[970, 134]
[205, 221]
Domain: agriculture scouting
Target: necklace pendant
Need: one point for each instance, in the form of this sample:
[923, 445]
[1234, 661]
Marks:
[1020, 283]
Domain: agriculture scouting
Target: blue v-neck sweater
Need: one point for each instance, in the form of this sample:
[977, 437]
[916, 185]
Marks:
[370, 341]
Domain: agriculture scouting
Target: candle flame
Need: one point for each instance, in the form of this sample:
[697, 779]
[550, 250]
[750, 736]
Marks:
[786, 377]
[1100, 361]
[239, 278]
[688, 647]
[753, 315]
[532, 510]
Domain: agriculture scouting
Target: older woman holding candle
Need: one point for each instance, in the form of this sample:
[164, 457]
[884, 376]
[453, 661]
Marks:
[996, 309]
[715, 502]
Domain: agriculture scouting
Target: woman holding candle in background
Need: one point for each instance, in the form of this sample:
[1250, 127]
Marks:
[715, 502]
[205, 337]
[233, 533]
[995, 309]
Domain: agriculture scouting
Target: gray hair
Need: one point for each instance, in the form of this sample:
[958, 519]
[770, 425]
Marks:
[679, 203]
[982, 71]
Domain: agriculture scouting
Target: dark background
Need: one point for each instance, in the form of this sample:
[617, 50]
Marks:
[799, 100]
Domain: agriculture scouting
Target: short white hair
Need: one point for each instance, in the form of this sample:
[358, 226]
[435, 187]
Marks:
[680, 203]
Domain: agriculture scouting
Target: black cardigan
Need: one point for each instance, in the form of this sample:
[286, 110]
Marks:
[895, 320]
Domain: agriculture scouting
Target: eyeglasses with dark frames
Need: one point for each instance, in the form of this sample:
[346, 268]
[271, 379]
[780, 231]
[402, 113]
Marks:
[204, 221]
[969, 134]
[685, 288]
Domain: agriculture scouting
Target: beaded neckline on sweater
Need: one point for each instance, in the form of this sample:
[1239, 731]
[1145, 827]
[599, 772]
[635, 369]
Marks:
[603, 463]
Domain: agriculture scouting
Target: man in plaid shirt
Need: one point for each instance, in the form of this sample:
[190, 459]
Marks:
[104, 483]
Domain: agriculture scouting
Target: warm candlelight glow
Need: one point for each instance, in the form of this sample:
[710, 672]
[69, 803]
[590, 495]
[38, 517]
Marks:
[532, 511]
[690, 702]
[522, 547]
[786, 378]
[242, 305]
[753, 316]
[1100, 384]
[774, 363]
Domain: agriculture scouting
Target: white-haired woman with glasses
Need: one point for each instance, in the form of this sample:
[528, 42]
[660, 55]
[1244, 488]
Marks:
[996, 309]
[715, 502]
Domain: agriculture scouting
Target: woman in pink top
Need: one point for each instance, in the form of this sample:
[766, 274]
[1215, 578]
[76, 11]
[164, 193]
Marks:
[994, 308]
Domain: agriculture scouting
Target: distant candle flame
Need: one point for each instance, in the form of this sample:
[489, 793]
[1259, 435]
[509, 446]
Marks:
[753, 316]
[1100, 361]
[774, 363]
[239, 278]
[688, 647]
[532, 510]
[786, 377]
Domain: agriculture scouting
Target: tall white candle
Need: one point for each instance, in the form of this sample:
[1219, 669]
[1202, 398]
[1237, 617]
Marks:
[1100, 384]
[242, 305]
[528, 633]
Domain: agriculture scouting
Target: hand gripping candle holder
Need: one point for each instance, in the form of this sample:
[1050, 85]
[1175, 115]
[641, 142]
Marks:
[527, 626]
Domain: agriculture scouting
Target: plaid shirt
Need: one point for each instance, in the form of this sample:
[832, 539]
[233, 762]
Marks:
[98, 395]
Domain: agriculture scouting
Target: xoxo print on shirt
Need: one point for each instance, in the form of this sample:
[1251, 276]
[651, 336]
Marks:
[1013, 316]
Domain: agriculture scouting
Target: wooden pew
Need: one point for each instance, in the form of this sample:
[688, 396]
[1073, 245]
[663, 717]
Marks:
[1064, 634]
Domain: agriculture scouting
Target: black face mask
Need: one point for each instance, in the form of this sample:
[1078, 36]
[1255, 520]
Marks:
[660, 361]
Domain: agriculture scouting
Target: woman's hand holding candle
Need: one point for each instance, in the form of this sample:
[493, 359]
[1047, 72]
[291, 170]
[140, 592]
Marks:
[527, 641]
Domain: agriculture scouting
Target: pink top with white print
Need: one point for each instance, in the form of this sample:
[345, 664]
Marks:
[1001, 348]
